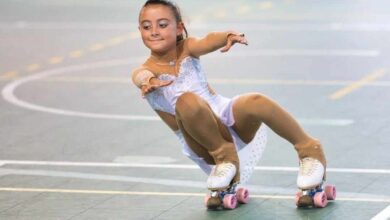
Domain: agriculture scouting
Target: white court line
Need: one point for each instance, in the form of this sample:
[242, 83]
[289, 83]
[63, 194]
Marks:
[25, 25]
[218, 81]
[270, 190]
[305, 52]
[172, 194]
[383, 215]
[333, 26]
[177, 166]
[248, 81]
[8, 94]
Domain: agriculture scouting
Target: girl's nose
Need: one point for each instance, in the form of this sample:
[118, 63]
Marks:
[155, 31]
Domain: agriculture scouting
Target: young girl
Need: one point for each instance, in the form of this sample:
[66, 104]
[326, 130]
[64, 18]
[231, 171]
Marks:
[213, 129]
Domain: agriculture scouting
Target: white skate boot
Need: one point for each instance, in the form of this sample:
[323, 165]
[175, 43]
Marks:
[221, 176]
[310, 181]
[311, 177]
[222, 184]
[311, 173]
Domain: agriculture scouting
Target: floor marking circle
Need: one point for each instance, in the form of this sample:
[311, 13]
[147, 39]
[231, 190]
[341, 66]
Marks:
[8, 91]
[144, 159]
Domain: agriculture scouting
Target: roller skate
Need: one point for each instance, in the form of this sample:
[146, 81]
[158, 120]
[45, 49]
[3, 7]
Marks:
[311, 183]
[222, 186]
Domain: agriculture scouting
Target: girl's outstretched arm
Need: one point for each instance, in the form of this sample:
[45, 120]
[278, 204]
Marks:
[214, 41]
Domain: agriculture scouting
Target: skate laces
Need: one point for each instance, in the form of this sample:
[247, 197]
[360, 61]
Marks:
[223, 169]
[308, 165]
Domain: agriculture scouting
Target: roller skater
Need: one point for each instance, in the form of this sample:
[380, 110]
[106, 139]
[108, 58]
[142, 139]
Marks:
[225, 137]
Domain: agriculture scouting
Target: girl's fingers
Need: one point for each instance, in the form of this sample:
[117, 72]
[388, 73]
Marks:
[143, 93]
[244, 41]
[146, 90]
[165, 83]
[236, 39]
[151, 87]
[227, 47]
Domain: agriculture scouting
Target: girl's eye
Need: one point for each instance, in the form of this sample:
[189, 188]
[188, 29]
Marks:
[146, 26]
[163, 24]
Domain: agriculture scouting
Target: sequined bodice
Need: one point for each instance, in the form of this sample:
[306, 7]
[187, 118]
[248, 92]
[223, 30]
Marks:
[190, 78]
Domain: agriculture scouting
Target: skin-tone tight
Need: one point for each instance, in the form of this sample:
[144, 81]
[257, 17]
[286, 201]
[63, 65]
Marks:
[204, 132]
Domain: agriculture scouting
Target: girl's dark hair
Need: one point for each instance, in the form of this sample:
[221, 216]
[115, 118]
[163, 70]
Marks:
[176, 12]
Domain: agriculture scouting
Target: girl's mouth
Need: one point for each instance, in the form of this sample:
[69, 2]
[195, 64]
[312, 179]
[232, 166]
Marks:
[155, 40]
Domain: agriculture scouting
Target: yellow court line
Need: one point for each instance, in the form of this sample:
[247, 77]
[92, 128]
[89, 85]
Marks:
[115, 41]
[9, 75]
[96, 47]
[265, 5]
[358, 84]
[243, 9]
[76, 54]
[135, 193]
[33, 67]
[56, 60]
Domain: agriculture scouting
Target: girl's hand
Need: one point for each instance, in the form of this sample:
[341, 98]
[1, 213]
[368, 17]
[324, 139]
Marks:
[232, 39]
[152, 85]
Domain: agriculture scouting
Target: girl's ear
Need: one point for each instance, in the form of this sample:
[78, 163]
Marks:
[179, 28]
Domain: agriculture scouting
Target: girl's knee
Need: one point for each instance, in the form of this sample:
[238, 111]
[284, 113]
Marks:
[258, 99]
[186, 101]
[189, 104]
[254, 103]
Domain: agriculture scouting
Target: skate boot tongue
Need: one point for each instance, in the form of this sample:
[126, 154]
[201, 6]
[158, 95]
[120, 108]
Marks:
[308, 166]
[221, 176]
[311, 173]
[223, 169]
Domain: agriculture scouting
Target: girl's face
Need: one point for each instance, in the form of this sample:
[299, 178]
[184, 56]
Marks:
[159, 28]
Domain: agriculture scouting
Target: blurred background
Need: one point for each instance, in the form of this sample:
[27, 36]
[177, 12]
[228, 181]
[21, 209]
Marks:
[69, 113]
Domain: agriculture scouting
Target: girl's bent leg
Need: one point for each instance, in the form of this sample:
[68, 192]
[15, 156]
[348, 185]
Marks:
[252, 109]
[200, 125]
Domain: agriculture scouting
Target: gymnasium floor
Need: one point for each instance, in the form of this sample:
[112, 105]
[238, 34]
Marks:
[78, 142]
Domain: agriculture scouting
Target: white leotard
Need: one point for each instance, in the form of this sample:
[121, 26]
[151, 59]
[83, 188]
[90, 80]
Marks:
[191, 78]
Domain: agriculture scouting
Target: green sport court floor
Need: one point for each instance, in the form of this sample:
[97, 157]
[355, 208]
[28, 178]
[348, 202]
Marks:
[78, 142]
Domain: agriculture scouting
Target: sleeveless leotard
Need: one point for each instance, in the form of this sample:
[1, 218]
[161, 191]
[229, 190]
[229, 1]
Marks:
[191, 78]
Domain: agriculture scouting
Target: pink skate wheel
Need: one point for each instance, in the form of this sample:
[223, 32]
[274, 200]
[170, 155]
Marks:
[230, 201]
[320, 200]
[330, 191]
[297, 196]
[243, 195]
